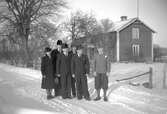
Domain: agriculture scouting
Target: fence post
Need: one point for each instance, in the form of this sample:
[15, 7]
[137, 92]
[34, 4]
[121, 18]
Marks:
[164, 77]
[150, 78]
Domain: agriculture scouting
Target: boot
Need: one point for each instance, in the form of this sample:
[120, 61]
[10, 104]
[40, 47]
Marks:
[49, 95]
[98, 96]
[105, 97]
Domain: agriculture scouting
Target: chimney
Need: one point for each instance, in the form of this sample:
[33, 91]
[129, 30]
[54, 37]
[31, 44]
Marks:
[123, 18]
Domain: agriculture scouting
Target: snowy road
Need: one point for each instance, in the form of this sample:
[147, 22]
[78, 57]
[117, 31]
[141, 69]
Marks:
[11, 100]
[20, 93]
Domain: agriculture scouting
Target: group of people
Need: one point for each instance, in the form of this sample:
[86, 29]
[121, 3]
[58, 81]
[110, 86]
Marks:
[66, 70]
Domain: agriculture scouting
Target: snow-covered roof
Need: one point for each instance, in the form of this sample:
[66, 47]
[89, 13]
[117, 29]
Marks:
[120, 25]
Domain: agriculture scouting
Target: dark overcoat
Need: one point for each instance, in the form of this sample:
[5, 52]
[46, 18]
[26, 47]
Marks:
[47, 71]
[80, 67]
[73, 81]
[63, 68]
[57, 85]
[54, 54]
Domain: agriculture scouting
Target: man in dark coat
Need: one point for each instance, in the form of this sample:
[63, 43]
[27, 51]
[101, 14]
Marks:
[63, 68]
[73, 52]
[47, 73]
[80, 70]
[54, 54]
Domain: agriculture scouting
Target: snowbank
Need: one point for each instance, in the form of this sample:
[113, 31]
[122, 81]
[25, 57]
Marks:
[135, 99]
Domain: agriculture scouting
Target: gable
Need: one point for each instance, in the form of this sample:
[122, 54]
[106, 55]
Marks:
[118, 26]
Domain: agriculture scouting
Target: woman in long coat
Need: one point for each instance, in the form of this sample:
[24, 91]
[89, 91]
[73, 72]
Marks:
[47, 73]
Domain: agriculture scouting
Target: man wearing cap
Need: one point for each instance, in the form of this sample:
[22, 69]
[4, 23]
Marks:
[72, 53]
[101, 73]
[80, 70]
[47, 73]
[54, 55]
[63, 69]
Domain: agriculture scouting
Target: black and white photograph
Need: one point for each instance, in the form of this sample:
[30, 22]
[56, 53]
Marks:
[83, 57]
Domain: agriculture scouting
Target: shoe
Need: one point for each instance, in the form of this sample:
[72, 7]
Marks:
[69, 97]
[56, 95]
[79, 98]
[64, 97]
[97, 98]
[88, 99]
[50, 97]
[105, 99]
[74, 96]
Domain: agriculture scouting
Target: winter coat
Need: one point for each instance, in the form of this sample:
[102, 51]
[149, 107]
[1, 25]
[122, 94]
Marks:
[63, 68]
[47, 71]
[80, 65]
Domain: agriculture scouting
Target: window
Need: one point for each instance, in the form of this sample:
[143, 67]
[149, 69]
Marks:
[135, 33]
[135, 49]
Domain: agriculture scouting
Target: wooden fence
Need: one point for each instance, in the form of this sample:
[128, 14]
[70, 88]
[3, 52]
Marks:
[150, 72]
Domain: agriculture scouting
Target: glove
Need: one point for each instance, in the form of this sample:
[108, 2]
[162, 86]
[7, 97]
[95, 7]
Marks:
[56, 80]
[73, 75]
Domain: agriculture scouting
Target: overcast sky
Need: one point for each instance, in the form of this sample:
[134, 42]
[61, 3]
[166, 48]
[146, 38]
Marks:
[152, 12]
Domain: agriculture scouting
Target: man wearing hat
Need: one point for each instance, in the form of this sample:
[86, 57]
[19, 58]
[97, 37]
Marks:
[73, 52]
[80, 70]
[54, 55]
[63, 69]
[101, 73]
[47, 73]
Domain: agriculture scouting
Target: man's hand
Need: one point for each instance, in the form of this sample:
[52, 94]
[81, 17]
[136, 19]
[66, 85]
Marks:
[58, 75]
[95, 74]
[73, 75]
[56, 80]
[108, 73]
[87, 75]
[43, 76]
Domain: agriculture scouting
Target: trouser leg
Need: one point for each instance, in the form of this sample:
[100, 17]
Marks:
[57, 88]
[85, 87]
[73, 86]
[78, 87]
[98, 93]
[63, 86]
[68, 86]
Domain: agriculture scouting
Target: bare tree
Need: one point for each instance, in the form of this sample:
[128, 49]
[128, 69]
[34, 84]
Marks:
[80, 24]
[106, 25]
[21, 14]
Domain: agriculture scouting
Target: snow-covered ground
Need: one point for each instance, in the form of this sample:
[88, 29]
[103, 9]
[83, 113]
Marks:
[123, 98]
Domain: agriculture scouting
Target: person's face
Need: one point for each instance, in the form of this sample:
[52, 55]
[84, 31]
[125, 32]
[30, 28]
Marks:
[48, 53]
[74, 49]
[79, 51]
[65, 50]
[100, 50]
[59, 47]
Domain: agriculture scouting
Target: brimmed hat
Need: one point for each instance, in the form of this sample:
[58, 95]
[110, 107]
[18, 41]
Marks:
[74, 45]
[64, 46]
[59, 42]
[47, 49]
[99, 46]
[79, 47]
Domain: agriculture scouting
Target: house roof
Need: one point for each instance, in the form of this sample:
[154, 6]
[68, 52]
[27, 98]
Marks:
[120, 25]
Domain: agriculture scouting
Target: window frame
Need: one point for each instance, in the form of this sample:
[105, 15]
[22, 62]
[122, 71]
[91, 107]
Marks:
[135, 33]
[135, 49]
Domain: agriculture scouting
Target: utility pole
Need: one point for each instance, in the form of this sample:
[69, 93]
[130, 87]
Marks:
[137, 8]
